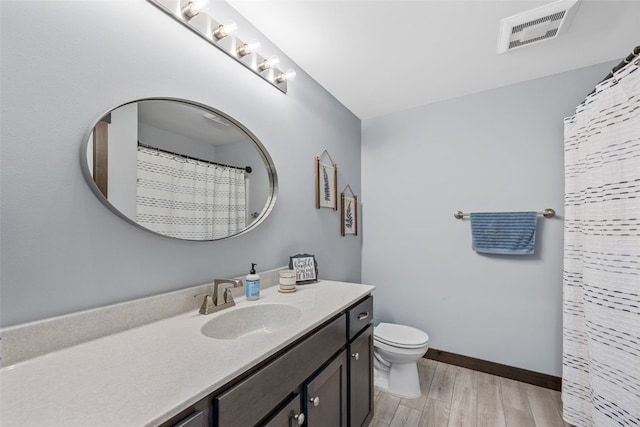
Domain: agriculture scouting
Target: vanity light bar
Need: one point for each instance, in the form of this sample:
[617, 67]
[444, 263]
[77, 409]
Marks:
[191, 14]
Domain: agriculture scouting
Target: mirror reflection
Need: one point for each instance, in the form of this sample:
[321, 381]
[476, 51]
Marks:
[180, 169]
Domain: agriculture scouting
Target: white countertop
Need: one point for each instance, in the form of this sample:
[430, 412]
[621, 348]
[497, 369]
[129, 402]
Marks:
[144, 376]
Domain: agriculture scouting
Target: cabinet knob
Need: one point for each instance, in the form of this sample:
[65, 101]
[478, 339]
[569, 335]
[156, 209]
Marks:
[299, 418]
[315, 400]
[356, 356]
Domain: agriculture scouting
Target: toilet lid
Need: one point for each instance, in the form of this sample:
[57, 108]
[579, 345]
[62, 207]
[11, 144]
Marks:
[400, 335]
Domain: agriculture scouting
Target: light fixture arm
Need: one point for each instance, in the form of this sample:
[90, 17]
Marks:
[193, 15]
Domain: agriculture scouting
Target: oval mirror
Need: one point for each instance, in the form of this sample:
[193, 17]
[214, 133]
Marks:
[179, 169]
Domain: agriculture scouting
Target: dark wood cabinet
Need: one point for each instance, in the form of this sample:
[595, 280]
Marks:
[360, 382]
[326, 395]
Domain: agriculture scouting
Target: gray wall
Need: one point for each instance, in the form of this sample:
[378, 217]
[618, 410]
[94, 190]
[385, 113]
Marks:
[63, 64]
[500, 150]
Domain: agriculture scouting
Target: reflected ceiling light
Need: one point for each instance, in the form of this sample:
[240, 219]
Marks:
[216, 119]
[194, 7]
[287, 76]
[193, 14]
[225, 30]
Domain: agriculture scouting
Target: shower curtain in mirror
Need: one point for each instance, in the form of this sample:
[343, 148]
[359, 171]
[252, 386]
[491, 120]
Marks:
[189, 199]
[601, 283]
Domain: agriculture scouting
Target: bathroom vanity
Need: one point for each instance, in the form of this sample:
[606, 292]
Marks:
[323, 379]
[314, 370]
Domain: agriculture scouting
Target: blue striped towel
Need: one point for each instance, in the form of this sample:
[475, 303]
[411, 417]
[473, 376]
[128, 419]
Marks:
[506, 233]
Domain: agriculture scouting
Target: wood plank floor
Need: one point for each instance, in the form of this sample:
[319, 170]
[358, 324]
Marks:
[458, 397]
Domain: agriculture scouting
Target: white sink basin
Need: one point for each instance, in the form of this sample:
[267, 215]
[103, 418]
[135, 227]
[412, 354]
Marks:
[253, 319]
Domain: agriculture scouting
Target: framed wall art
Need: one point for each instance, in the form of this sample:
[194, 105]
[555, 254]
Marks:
[326, 183]
[306, 268]
[348, 212]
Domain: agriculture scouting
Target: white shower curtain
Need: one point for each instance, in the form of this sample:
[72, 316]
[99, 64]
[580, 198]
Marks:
[189, 199]
[601, 309]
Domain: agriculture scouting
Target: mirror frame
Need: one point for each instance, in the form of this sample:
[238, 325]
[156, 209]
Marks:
[264, 154]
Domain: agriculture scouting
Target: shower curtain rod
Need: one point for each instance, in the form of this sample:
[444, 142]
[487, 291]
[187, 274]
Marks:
[247, 169]
[633, 55]
[547, 213]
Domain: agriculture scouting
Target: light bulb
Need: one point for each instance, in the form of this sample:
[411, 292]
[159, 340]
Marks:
[249, 47]
[194, 7]
[272, 61]
[224, 30]
[286, 76]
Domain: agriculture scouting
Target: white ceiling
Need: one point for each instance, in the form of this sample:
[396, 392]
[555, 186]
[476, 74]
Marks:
[383, 56]
[189, 121]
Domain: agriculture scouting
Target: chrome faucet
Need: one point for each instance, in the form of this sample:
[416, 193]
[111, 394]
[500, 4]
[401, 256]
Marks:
[222, 297]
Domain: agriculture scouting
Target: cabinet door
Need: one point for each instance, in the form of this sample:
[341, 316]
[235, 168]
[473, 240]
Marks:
[326, 395]
[289, 416]
[361, 379]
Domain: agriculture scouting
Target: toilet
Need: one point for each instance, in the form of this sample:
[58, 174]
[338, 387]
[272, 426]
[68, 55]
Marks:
[397, 349]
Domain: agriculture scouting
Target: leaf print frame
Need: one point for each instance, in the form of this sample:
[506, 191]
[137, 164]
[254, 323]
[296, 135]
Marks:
[348, 213]
[326, 183]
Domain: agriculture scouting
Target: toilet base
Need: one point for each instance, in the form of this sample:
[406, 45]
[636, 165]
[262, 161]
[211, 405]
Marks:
[381, 379]
[401, 380]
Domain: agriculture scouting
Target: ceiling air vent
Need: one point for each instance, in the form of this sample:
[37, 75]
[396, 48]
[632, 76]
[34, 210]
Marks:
[536, 25]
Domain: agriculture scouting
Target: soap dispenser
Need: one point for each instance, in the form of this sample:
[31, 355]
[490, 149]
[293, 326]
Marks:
[252, 284]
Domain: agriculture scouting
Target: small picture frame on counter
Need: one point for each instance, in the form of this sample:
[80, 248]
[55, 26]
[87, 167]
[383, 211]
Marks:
[306, 268]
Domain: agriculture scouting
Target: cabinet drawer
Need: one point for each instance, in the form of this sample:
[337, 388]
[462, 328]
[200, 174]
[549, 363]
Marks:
[360, 316]
[249, 401]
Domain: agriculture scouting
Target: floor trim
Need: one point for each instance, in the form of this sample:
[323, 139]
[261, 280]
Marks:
[493, 368]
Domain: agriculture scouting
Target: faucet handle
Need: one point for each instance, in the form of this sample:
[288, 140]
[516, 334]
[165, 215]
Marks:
[221, 287]
[207, 304]
[228, 296]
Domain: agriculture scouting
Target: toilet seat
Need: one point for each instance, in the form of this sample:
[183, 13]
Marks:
[400, 336]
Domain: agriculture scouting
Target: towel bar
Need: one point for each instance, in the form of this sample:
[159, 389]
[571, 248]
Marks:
[547, 213]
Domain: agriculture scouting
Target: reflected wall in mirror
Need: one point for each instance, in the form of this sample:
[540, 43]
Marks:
[179, 169]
